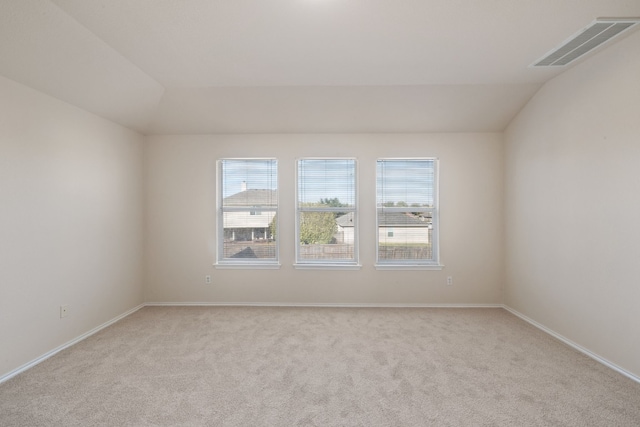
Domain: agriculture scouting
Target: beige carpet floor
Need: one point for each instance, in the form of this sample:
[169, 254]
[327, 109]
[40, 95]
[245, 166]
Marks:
[253, 366]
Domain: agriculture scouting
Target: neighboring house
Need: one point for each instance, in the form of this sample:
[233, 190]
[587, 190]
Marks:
[346, 230]
[252, 224]
[395, 227]
[403, 228]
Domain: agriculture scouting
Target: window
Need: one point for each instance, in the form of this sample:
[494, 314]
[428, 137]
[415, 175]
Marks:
[326, 214]
[407, 213]
[247, 212]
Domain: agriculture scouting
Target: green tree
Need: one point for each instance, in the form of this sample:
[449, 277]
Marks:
[317, 227]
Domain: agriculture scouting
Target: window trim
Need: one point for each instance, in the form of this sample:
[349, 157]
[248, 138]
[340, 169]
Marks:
[413, 264]
[226, 263]
[323, 264]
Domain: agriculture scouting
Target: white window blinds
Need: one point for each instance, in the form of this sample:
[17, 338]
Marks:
[248, 206]
[326, 211]
[406, 200]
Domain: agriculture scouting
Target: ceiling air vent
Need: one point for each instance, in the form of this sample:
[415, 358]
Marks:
[597, 33]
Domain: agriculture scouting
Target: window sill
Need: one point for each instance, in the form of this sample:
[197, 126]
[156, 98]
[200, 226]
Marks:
[247, 266]
[409, 267]
[320, 266]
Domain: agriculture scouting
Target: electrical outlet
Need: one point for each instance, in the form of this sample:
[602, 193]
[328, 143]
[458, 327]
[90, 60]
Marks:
[64, 310]
[207, 279]
[449, 280]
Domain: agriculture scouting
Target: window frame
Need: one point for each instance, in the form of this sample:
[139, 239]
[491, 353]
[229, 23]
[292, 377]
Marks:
[412, 264]
[240, 263]
[341, 264]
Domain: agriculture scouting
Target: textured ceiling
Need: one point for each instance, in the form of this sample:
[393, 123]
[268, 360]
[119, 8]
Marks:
[201, 66]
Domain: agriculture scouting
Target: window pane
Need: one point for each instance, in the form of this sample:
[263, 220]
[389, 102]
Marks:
[326, 236]
[248, 209]
[249, 236]
[406, 198]
[326, 199]
[249, 183]
[403, 183]
[403, 236]
[329, 182]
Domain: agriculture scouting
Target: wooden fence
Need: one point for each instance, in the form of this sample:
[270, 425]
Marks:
[267, 250]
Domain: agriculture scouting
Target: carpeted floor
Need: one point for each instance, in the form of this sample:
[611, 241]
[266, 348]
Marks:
[252, 366]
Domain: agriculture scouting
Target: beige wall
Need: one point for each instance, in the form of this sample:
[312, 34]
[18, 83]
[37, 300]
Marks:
[181, 190]
[573, 205]
[70, 223]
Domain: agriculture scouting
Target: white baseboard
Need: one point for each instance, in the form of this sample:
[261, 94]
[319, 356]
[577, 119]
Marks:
[574, 345]
[329, 304]
[48, 354]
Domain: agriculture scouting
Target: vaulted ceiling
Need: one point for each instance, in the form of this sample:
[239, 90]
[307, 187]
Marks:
[236, 66]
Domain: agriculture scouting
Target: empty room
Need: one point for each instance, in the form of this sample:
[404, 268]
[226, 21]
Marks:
[320, 212]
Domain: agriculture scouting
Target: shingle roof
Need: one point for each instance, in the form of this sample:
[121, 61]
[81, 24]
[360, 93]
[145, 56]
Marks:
[400, 219]
[252, 197]
[387, 219]
[345, 220]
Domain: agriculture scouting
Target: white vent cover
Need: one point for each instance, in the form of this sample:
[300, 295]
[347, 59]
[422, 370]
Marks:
[597, 33]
